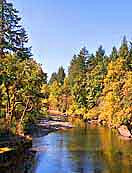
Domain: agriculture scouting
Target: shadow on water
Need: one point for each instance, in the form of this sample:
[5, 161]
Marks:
[85, 149]
[18, 162]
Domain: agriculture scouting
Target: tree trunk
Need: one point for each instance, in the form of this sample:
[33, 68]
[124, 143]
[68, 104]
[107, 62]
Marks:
[8, 111]
[19, 128]
[8, 122]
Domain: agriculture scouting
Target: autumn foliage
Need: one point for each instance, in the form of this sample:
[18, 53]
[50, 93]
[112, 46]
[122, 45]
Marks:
[98, 86]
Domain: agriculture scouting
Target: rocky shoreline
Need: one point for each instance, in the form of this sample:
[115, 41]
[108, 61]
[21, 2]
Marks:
[123, 130]
[59, 122]
[43, 127]
[10, 144]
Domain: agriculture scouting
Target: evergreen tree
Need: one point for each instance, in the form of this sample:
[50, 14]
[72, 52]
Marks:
[53, 77]
[12, 35]
[21, 78]
[61, 75]
[77, 76]
[123, 51]
[78, 66]
[114, 54]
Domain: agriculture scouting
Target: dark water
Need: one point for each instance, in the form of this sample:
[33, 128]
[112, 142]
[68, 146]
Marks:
[79, 150]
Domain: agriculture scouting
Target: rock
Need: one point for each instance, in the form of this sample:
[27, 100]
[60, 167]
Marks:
[123, 130]
[55, 125]
[61, 124]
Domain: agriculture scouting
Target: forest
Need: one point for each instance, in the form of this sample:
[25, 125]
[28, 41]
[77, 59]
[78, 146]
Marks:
[96, 85]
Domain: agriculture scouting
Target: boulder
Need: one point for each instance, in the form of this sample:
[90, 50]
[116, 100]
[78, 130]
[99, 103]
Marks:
[123, 130]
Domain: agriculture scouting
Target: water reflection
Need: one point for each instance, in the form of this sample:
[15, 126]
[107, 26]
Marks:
[86, 149]
[18, 162]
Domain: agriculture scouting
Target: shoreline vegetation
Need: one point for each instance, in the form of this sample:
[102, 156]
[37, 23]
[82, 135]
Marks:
[97, 87]
[123, 130]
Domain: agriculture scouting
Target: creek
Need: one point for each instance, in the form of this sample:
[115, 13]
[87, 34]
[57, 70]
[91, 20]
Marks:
[84, 149]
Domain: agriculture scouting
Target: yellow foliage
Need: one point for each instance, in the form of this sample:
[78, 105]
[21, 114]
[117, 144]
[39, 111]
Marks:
[92, 113]
[117, 87]
[5, 149]
[72, 109]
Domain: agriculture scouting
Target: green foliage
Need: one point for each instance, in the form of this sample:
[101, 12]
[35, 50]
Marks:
[21, 78]
[53, 78]
[21, 82]
[77, 76]
[12, 35]
[78, 66]
[96, 84]
[59, 76]
[114, 104]
[100, 85]
[114, 54]
[86, 74]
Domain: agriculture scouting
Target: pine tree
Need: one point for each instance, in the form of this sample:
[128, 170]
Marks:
[53, 78]
[61, 75]
[123, 51]
[114, 53]
[78, 66]
[12, 35]
[100, 53]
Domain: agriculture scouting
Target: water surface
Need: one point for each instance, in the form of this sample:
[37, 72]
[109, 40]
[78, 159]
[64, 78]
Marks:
[79, 150]
[84, 150]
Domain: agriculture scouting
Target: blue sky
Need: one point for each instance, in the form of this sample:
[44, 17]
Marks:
[57, 29]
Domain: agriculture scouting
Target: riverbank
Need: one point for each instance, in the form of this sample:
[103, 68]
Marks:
[93, 149]
[123, 130]
[10, 142]
[60, 121]
[42, 127]
[52, 123]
